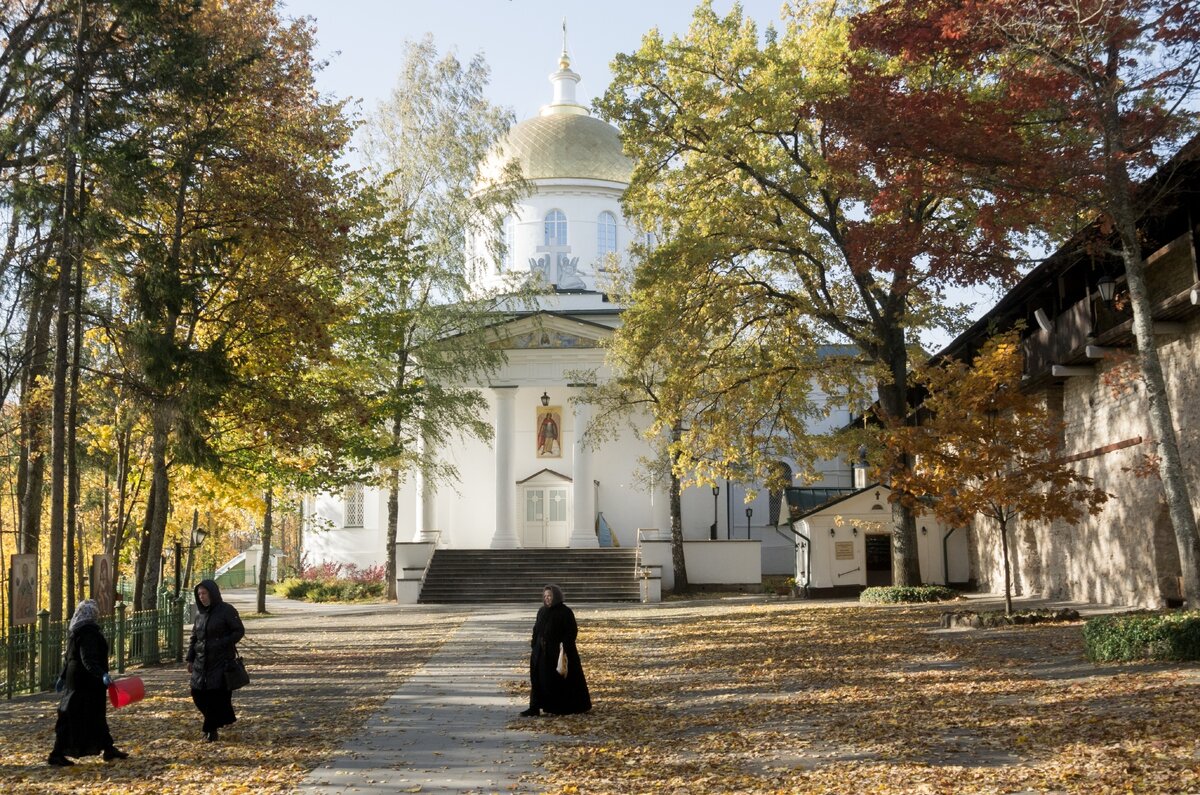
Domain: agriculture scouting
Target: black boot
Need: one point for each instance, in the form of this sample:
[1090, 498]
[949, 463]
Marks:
[532, 712]
[58, 760]
[112, 752]
[211, 737]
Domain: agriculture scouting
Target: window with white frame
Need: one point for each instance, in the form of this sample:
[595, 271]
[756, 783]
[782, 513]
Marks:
[606, 234]
[354, 498]
[556, 228]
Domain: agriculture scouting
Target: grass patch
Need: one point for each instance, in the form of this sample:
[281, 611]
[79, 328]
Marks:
[906, 594]
[1170, 636]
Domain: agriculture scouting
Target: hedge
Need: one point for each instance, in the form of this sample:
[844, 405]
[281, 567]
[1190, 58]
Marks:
[329, 590]
[901, 594]
[1143, 636]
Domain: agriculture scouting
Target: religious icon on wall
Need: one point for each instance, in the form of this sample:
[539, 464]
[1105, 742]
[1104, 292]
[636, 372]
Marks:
[102, 583]
[549, 431]
[23, 579]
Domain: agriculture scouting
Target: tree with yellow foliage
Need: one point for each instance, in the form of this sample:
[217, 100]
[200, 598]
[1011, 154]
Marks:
[983, 447]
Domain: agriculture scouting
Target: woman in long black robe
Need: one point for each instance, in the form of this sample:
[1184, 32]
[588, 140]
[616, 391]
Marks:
[211, 652]
[554, 630]
[82, 725]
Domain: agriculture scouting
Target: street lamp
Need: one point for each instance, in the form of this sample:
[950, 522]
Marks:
[198, 536]
[712, 531]
[1107, 287]
[749, 513]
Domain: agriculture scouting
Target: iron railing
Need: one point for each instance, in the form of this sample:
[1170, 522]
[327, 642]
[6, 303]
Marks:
[33, 654]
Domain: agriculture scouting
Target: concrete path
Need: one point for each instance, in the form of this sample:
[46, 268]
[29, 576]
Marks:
[445, 730]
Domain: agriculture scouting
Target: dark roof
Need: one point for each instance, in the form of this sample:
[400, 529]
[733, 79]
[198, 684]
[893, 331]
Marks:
[803, 502]
[1168, 181]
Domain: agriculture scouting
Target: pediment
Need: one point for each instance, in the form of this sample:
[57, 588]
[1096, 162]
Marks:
[547, 331]
[546, 476]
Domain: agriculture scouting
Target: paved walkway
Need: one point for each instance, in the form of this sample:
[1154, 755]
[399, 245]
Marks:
[445, 730]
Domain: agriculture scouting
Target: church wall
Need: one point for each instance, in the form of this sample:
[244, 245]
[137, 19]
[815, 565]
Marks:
[1125, 554]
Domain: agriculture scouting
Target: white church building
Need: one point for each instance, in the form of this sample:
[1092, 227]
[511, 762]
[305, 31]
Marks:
[534, 485]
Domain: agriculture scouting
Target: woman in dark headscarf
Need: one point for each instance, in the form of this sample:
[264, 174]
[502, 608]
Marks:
[554, 632]
[82, 725]
[211, 652]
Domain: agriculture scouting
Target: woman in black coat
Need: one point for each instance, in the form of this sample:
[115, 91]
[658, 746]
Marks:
[82, 725]
[554, 630]
[211, 652]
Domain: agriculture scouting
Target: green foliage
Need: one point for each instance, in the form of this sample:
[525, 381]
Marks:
[329, 590]
[904, 594]
[1143, 636]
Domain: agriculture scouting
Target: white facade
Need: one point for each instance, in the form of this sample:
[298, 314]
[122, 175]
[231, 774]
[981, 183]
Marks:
[515, 490]
[847, 544]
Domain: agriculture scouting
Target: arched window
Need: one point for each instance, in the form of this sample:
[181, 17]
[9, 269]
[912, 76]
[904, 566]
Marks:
[781, 478]
[556, 228]
[354, 498]
[606, 234]
[508, 236]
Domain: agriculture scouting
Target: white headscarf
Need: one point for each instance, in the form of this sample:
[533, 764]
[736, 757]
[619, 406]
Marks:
[88, 612]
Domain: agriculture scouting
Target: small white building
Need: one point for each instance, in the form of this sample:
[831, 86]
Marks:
[845, 542]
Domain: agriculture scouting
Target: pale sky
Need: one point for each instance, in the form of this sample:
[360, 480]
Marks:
[520, 39]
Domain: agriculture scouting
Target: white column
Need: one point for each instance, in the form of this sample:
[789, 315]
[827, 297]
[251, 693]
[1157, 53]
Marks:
[583, 510]
[505, 536]
[426, 509]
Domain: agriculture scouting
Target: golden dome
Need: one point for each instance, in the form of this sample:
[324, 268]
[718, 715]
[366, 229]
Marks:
[562, 146]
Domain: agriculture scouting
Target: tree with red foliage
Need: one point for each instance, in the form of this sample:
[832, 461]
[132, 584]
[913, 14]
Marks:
[1068, 103]
[786, 223]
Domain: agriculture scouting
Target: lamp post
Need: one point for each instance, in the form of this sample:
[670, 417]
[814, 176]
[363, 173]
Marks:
[712, 531]
[198, 536]
[749, 513]
[1107, 287]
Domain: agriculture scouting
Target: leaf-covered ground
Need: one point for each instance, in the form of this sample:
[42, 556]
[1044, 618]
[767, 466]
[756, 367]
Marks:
[315, 679]
[788, 698]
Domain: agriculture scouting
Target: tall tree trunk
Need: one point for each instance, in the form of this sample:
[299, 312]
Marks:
[1007, 566]
[68, 256]
[158, 515]
[1170, 462]
[74, 529]
[33, 420]
[893, 399]
[393, 516]
[678, 560]
[264, 559]
[139, 570]
[394, 476]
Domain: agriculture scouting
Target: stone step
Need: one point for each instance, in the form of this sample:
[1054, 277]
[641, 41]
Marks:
[517, 575]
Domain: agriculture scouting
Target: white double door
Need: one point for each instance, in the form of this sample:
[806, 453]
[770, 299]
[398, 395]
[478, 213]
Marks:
[544, 516]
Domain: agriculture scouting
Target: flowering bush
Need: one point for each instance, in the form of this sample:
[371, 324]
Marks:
[334, 582]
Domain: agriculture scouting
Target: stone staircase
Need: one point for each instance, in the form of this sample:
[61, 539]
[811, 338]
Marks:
[517, 575]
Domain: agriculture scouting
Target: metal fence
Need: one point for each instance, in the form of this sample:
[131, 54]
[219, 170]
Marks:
[33, 654]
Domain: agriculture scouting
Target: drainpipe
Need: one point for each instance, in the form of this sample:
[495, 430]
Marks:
[807, 559]
[946, 556]
[791, 526]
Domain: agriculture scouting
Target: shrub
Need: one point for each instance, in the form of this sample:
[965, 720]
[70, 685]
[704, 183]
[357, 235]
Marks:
[330, 590]
[294, 588]
[1143, 636]
[902, 594]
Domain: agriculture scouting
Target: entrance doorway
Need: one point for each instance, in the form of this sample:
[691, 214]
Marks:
[879, 559]
[544, 516]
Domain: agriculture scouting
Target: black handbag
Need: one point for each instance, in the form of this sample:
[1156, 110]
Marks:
[235, 674]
